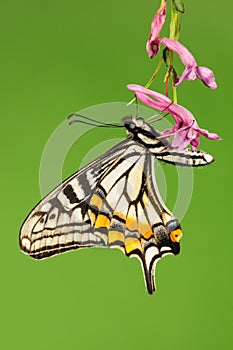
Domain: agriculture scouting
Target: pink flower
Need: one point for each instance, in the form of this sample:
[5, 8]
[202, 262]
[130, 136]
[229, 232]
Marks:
[192, 70]
[186, 129]
[152, 45]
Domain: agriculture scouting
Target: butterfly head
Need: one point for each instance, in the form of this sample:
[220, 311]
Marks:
[139, 128]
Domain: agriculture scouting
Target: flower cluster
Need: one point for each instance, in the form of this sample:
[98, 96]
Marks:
[186, 130]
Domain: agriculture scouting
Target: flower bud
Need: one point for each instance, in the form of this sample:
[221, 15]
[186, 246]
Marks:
[179, 5]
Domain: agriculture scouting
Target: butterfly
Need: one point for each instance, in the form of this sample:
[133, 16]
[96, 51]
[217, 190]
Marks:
[113, 202]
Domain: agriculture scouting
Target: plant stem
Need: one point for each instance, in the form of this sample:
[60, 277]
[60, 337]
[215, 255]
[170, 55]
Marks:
[150, 81]
[174, 94]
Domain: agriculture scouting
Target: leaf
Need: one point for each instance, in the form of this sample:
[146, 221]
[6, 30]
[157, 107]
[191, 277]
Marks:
[166, 56]
[174, 76]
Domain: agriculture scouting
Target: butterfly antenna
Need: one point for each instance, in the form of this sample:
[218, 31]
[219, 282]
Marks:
[86, 123]
[160, 118]
[94, 122]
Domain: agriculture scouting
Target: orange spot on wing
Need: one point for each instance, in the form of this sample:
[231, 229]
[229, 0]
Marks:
[176, 235]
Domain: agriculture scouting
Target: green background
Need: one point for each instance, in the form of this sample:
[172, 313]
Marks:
[58, 57]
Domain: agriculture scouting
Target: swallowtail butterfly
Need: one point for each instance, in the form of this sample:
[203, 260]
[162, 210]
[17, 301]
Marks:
[113, 202]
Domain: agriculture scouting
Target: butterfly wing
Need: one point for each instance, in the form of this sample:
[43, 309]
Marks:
[186, 157]
[129, 213]
[111, 202]
[60, 222]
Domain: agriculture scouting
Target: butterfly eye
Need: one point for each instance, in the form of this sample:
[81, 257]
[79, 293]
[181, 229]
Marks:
[176, 235]
[132, 125]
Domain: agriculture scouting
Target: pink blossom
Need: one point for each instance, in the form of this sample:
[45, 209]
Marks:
[186, 130]
[152, 45]
[192, 70]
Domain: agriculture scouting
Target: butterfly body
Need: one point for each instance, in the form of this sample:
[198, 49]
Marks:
[113, 202]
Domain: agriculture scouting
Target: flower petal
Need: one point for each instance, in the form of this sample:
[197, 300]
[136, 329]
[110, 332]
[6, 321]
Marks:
[187, 74]
[207, 76]
[192, 69]
[149, 102]
[184, 54]
[180, 140]
[152, 48]
[186, 128]
[209, 135]
[154, 94]
[179, 113]
[183, 144]
[195, 142]
[153, 42]
[158, 20]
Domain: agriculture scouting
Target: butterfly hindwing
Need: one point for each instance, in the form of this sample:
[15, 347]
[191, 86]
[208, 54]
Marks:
[127, 212]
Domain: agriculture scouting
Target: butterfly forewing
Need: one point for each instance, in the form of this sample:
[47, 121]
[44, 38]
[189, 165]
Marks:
[60, 222]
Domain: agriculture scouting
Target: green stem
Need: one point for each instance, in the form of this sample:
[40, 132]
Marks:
[174, 34]
[150, 81]
[175, 98]
[175, 23]
[174, 90]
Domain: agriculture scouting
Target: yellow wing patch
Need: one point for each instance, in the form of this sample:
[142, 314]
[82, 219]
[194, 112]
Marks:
[102, 221]
[115, 236]
[96, 201]
[131, 223]
[145, 230]
[132, 244]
